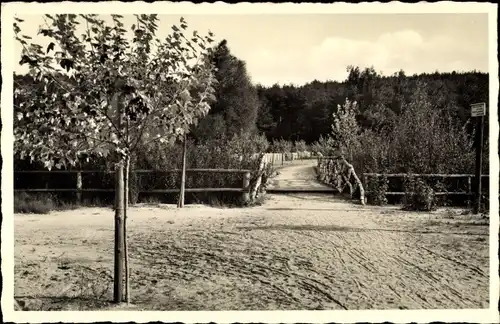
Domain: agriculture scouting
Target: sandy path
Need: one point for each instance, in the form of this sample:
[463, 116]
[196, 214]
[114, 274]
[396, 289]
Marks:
[298, 175]
[295, 252]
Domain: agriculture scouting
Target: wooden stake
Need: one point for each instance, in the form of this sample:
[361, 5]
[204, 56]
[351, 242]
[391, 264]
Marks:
[119, 231]
[180, 204]
[125, 244]
[246, 187]
[79, 187]
[479, 162]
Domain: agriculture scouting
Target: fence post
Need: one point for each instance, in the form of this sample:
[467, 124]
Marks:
[79, 187]
[469, 191]
[246, 187]
[479, 163]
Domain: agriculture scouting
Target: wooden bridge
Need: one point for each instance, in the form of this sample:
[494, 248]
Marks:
[298, 176]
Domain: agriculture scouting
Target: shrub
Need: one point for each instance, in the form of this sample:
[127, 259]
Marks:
[440, 187]
[300, 146]
[426, 140]
[484, 207]
[325, 146]
[421, 138]
[282, 146]
[239, 152]
[419, 195]
[377, 190]
[372, 154]
[25, 203]
[268, 174]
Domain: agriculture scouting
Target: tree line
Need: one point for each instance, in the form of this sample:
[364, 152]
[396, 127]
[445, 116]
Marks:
[306, 112]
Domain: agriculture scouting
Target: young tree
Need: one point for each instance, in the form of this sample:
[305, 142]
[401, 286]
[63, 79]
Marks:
[345, 129]
[102, 93]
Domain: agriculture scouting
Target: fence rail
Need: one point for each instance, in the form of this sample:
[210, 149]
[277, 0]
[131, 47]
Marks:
[79, 184]
[469, 178]
[269, 158]
[136, 171]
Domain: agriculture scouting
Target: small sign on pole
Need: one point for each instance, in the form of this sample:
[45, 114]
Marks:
[478, 109]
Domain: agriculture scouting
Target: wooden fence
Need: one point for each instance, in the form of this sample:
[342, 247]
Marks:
[269, 158]
[469, 178]
[245, 187]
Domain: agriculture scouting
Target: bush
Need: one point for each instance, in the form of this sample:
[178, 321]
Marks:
[420, 138]
[239, 152]
[419, 195]
[300, 146]
[426, 140]
[325, 146]
[268, 174]
[377, 188]
[484, 207]
[282, 146]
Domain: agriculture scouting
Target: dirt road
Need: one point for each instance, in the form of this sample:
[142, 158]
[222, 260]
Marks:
[297, 251]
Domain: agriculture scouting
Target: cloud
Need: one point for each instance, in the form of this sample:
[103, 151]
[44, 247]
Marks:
[389, 53]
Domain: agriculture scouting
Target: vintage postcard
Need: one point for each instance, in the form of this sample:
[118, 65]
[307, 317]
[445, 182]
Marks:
[252, 162]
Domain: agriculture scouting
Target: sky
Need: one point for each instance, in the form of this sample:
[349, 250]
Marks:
[300, 48]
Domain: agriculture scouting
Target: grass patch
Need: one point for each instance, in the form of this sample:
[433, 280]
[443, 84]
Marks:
[25, 203]
[44, 203]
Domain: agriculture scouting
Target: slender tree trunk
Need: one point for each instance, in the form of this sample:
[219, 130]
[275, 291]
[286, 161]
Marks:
[119, 234]
[120, 209]
[180, 204]
[125, 245]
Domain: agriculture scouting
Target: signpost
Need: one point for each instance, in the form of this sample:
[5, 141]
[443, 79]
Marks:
[478, 111]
